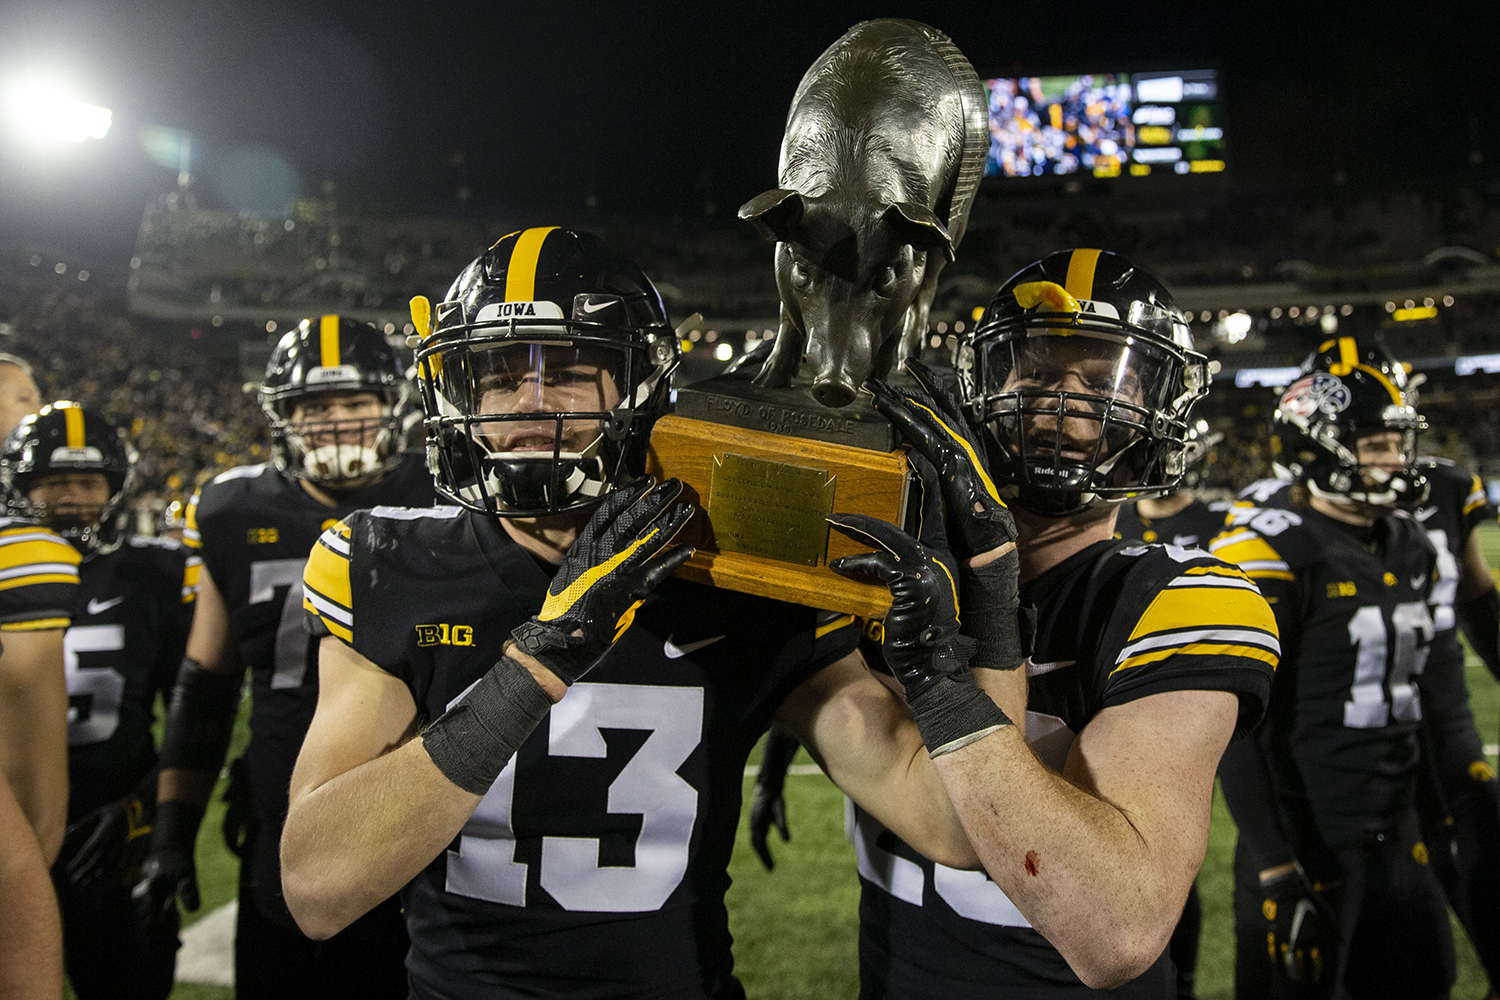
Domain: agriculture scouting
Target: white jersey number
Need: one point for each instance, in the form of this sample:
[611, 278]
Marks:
[484, 866]
[1378, 697]
[99, 690]
[290, 666]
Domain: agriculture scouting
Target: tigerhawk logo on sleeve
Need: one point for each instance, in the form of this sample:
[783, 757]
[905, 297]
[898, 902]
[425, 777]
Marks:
[445, 635]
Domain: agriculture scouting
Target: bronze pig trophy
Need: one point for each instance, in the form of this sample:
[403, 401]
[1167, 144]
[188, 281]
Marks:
[883, 152]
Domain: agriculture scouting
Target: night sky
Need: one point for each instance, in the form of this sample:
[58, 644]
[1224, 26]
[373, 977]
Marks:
[664, 108]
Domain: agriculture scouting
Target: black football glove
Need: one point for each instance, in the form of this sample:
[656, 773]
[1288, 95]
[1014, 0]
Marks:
[980, 530]
[922, 645]
[618, 559]
[1302, 932]
[168, 873]
[99, 846]
[767, 807]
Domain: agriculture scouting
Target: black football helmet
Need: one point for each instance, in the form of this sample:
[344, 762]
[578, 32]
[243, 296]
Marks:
[542, 373]
[1349, 388]
[66, 437]
[334, 354]
[1082, 371]
[1198, 449]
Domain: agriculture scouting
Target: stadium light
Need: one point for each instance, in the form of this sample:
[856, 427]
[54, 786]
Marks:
[42, 111]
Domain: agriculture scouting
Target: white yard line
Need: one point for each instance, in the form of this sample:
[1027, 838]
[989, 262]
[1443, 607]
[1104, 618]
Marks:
[207, 954]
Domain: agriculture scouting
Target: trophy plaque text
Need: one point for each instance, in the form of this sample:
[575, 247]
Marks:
[764, 492]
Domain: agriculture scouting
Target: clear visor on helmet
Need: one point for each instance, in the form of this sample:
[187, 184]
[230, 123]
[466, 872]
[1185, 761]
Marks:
[1085, 411]
[530, 420]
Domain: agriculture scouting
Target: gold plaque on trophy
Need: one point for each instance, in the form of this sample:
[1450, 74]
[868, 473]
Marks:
[763, 500]
[770, 509]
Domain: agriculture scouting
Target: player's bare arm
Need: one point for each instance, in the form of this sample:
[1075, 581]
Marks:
[369, 809]
[1099, 858]
[30, 933]
[34, 731]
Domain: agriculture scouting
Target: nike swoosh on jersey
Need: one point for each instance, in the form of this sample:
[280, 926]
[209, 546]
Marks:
[1417, 581]
[97, 606]
[674, 651]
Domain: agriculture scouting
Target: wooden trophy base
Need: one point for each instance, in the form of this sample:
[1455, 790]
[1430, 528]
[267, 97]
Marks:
[762, 500]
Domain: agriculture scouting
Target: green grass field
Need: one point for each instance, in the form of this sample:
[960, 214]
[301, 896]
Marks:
[796, 928]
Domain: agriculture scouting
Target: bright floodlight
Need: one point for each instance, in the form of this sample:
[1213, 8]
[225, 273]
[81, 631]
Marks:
[43, 111]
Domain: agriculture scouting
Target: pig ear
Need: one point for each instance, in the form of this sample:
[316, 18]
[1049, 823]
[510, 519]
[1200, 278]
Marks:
[917, 225]
[775, 214]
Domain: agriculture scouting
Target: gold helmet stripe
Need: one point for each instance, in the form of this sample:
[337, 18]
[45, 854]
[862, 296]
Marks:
[73, 416]
[520, 275]
[1080, 281]
[1349, 362]
[328, 331]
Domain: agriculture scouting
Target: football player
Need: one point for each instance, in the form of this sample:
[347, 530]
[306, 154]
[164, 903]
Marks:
[1334, 895]
[19, 395]
[1179, 518]
[72, 470]
[1462, 821]
[1091, 819]
[547, 850]
[333, 393]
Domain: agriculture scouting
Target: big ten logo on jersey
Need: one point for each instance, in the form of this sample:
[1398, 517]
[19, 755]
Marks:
[445, 635]
[262, 536]
[1265, 521]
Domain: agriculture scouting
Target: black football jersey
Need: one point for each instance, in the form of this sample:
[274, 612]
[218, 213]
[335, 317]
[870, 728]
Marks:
[1117, 621]
[596, 864]
[254, 528]
[1456, 505]
[135, 606]
[1272, 492]
[1191, 527]
[1356, 631]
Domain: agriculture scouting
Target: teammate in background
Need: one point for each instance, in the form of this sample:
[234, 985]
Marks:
[1092, 821]
[19, 395]
[1462, 821]
[333, 393]
[587, 855]
[1333, 891]
[72, 470]
[30, 933]
[1180, 518]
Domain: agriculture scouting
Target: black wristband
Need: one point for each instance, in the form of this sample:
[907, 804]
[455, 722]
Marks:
[176, 825]
[954, 712]
[471, 742]
[200, 719]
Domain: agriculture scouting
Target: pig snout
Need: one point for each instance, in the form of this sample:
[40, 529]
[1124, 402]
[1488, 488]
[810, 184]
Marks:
[840, 353]
[835, 390]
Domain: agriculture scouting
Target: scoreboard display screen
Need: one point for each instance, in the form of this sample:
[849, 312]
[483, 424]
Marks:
[1105, 125]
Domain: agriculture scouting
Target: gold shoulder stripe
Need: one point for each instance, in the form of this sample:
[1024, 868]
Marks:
[327, 574]
[1080, 281]
[1215, 571]
[39, 578]
[40, 625]
[520, 273]
[342, 631]
[833, 626]
[1201, 649]
[1249, 549]
[17, 554]
[1195, 607]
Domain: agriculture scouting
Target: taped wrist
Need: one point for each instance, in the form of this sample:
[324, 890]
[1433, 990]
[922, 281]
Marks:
[200, 719]
[471, 742]
[954, 712]
[991, 614]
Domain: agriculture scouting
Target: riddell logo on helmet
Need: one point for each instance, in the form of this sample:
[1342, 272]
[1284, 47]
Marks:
[88, 455]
